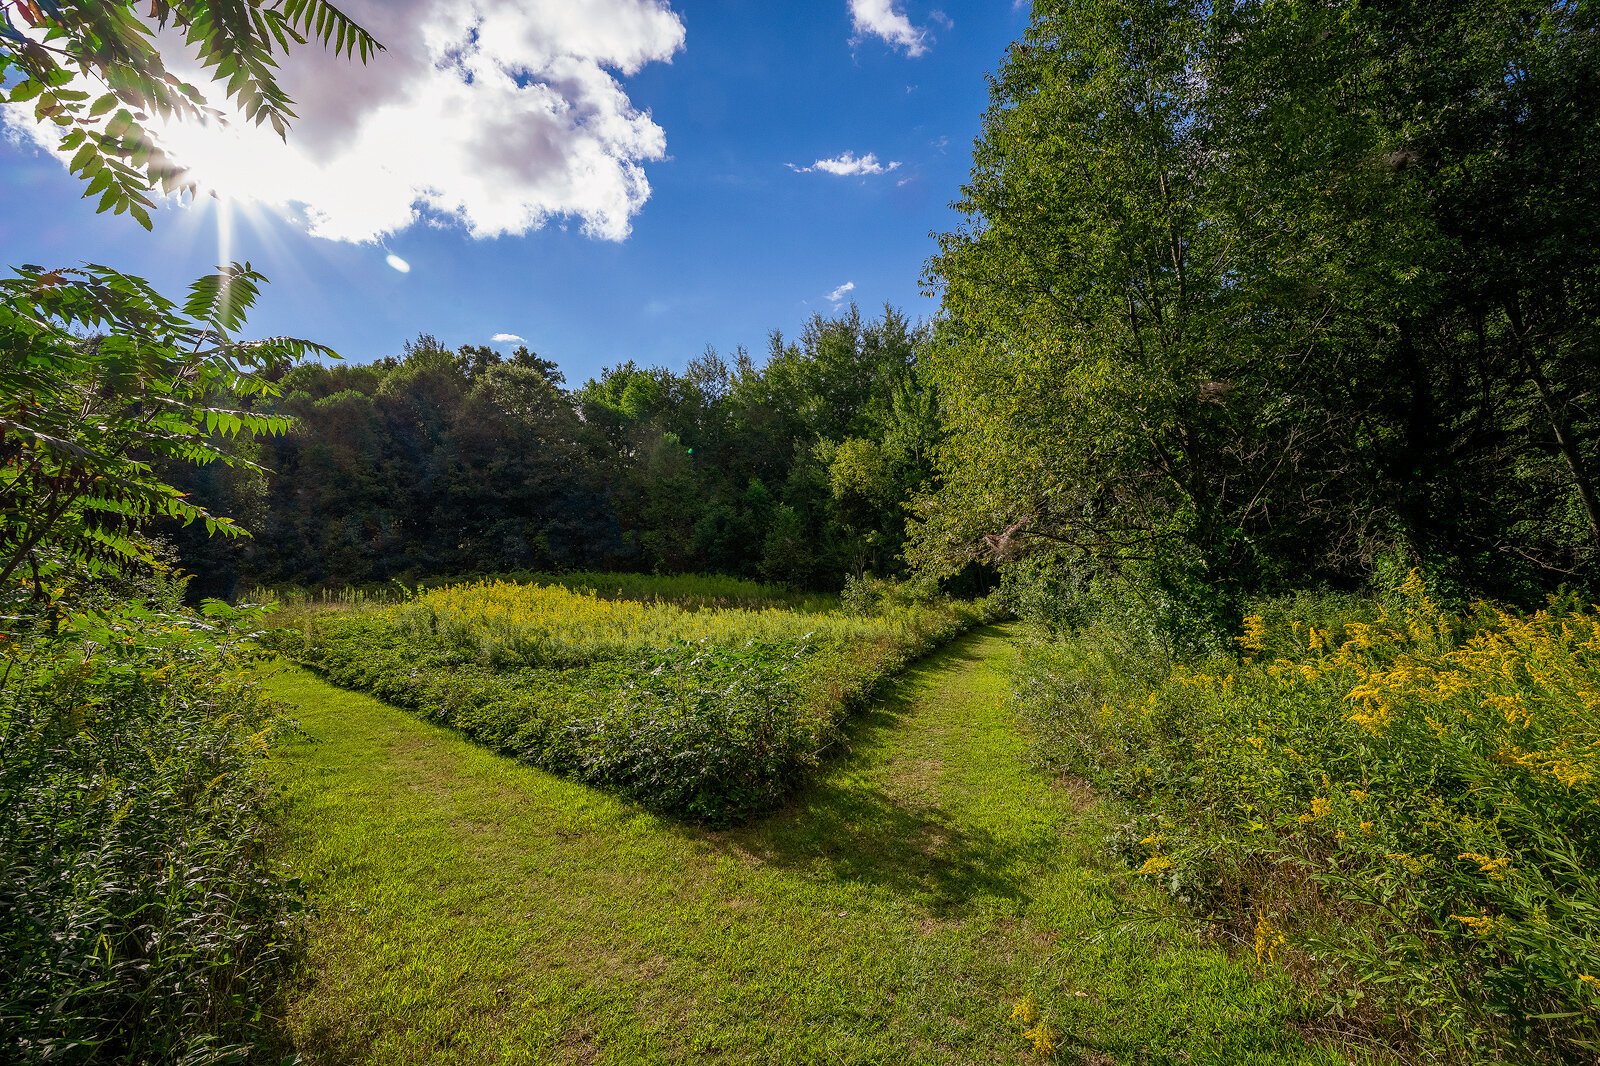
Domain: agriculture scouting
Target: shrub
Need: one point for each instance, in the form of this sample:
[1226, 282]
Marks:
[1406, 798]
[138, 920]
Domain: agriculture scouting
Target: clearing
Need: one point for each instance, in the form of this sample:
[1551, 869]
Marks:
[470, 909]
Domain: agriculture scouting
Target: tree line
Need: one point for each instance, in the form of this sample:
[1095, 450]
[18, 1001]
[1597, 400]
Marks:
[449, 462]
[1257, 295]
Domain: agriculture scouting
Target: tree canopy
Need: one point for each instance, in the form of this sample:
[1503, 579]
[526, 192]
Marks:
[1258, 293]
[103, 382]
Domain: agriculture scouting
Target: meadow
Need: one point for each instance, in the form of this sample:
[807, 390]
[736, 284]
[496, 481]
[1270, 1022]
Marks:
[712, 712]
[1397, 801]
[929, 897]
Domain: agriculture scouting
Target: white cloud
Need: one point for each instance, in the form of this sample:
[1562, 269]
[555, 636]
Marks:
[841, 292]
[508, 338]
[847, 165]
[397, 263]
[881, 18]
[497, 115]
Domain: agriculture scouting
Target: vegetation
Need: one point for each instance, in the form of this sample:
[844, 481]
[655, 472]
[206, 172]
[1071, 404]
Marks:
[686, 590]
[1401, 797]
[469, 909]
[1254, 296]
[1253, 308]
[463, 463]
[714, 713]
[140, 920]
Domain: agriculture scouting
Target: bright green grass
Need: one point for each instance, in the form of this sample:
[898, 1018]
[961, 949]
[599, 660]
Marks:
[474, 910]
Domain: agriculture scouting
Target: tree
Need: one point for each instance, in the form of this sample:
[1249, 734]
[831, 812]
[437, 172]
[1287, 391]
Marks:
[92, 68]
[83, 422]
[1091, 388]
[83, 417]
[1257, 294]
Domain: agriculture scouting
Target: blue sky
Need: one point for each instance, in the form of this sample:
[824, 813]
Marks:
[734, 240]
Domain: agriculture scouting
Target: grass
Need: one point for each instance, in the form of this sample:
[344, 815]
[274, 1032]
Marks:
[139, 922]
[715, 713]
[474, 910]
[693, 591]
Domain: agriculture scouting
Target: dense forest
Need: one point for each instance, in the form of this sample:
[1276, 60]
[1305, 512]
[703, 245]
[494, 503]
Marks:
[439, 462]
[1258, 296]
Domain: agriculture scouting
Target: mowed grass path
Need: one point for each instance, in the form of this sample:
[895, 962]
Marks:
[473, 910]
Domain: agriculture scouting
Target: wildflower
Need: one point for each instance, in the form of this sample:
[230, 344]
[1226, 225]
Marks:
[1155, 864]
[1154, 840]
[1269, 938]
[1025, 1011]
[1043, 1038]
[1415, 864]
[1320, 808]
[1512, 707]
[1495, 868]
[1593, 982]
[1479, 924]
[1316, 639]
[1253, 640]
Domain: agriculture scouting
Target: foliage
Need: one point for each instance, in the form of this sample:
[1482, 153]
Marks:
[711, 713]
[93, 69]
[436, 462]
[1405, 795]
[684, 590]
[139, 921]
[1247, 295]
[87, 421]
[691, 591]
[84, 421]
[891, 913]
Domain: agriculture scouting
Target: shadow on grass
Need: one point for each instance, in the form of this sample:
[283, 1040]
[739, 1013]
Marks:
[847, 828]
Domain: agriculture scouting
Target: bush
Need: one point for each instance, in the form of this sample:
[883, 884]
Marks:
[1405, 798]
[138, 920]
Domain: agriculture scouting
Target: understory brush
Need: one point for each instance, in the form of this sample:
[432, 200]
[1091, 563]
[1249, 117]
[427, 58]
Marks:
[139, 920]
[1395, 800]
[709, 713]
[692, 591]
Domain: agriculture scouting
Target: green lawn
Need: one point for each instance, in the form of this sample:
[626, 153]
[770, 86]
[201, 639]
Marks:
[474, 910]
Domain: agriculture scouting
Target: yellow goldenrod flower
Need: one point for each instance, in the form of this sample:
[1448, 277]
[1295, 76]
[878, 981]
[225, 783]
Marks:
[1479, 924]
[1025, 1011]
[1253, 640]
[1043, 1038]
[1269, 938]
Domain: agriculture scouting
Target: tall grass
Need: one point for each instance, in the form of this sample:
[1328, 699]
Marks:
[709, 712]
[694, 591]
[504, 623]
[139, 922]
[1400, 800]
